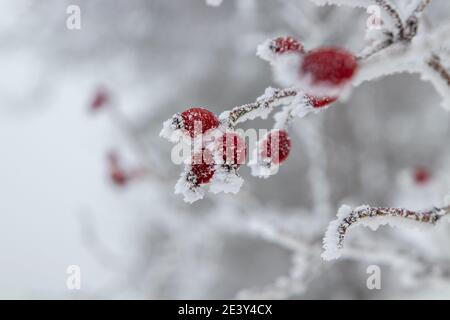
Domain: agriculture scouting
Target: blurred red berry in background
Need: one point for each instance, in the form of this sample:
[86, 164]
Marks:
[421, 175]
[100, 99]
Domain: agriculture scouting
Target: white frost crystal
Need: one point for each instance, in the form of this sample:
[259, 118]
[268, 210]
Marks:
[188, 189]
[225, 180]
[331, 239]
[171, 130]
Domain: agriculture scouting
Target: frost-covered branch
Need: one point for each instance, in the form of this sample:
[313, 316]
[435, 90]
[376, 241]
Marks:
[372, 217]
[377, 47]
[261, 107]
[395, 16]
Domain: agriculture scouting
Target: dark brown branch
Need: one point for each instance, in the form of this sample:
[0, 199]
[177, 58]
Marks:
[435, 63]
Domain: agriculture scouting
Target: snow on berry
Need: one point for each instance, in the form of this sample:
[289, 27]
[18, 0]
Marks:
[319, 102]
[285, 44]
[273, 48]
[226, 179]
[326, 70]
[185, 186]
[172, 128]
[191, 122]
[284, 56]
[199, 172]
[272, 151]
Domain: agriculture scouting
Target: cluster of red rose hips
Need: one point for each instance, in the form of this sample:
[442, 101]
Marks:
[230, 148]
[327, 67]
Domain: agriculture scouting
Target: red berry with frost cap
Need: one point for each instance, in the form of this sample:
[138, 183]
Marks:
[202, 167]
[319, 102]
[198, 120]
[286, 44]
[276, 146]
[232, 149]
[329, 66]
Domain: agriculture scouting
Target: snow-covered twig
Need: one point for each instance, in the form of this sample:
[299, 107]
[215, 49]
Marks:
[395, 16]
[261, 107]
[377, 47]
[373, 217]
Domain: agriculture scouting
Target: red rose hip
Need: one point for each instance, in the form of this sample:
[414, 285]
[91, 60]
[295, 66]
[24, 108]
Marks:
[329, 66]
[199, 120]
[276, 146]
[202, 167]
[232, 149]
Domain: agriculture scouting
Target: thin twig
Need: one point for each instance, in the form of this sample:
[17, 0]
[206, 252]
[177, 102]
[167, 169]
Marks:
[421, 6]
[367, 53]
[435, 63]
[428, 217]
[265, 102]
[389, 9]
